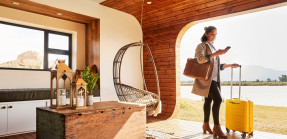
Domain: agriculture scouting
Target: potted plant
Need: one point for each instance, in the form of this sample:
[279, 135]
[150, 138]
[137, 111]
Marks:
[91, 79]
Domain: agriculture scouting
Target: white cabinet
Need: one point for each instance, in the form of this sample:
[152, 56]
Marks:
[22, 116]
[19, 116]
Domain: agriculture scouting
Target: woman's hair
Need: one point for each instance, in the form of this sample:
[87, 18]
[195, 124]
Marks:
[207, 30]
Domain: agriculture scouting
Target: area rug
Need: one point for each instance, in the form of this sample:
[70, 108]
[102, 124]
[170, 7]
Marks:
[157, 134]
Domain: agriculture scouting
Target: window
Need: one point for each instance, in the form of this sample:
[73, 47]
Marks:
[29, 48]
[58, 47]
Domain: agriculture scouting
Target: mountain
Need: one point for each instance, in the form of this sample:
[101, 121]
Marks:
[252, 73]
[248, 73]
[25, 60]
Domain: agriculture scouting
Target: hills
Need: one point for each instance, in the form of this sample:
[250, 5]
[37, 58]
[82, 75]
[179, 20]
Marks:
[28, 59]
[249, 73]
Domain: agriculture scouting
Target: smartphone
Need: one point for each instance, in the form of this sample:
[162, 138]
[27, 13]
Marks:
[227, 48]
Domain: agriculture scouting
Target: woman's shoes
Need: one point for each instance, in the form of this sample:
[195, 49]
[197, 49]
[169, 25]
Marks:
[218, 132]
[205, 127]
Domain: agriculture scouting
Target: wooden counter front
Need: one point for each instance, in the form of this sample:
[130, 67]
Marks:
[103, 120]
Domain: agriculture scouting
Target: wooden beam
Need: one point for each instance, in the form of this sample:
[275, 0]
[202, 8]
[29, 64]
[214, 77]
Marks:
[33, 7]
[92, 53]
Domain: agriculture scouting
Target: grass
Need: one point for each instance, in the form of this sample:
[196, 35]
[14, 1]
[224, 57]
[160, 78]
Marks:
[266, 118]
[247, 83]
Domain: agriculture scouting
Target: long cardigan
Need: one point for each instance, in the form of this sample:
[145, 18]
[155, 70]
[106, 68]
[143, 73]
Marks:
[202, 54]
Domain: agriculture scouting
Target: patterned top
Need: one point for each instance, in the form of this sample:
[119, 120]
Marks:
[215, 67]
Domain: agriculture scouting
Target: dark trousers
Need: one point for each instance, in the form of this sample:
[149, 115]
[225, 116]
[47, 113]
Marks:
[214, 94]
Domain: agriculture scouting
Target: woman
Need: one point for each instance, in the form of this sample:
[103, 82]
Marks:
[210, 89]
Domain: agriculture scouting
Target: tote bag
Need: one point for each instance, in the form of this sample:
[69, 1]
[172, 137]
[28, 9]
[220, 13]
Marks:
[198, 71]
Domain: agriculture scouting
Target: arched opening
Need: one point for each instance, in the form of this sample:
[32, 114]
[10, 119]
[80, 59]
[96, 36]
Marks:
[251, 55]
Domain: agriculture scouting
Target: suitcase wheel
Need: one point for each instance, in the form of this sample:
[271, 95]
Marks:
[243, 135]
[251, 134]
[227, 130]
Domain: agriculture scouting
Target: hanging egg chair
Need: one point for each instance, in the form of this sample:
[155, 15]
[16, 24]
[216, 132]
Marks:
[131, 94]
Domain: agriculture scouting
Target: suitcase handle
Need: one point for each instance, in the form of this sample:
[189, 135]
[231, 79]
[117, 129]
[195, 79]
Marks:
[239, 85]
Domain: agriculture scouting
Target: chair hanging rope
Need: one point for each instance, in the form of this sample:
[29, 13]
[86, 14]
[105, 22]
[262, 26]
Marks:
[130, 94]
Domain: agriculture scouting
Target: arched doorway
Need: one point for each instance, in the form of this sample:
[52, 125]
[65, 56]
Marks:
[254, 34]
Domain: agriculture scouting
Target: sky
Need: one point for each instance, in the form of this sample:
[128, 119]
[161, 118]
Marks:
[16, 40]
[256, 39]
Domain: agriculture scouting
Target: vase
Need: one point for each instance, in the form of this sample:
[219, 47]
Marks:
[90, 100]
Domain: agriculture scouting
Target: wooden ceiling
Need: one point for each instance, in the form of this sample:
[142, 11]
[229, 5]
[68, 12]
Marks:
[170, 12]
[163, 22]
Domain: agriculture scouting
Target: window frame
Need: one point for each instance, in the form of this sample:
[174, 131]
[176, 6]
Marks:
[47, 50]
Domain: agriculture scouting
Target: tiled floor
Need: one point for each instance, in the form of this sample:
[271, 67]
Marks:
[182, 129]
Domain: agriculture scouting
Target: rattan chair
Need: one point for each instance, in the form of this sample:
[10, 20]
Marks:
[128, 93]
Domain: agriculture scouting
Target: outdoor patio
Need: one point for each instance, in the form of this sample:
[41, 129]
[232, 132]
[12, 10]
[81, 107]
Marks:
[182, 129]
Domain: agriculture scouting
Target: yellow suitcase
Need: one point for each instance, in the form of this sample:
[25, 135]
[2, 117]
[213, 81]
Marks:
[239, 113]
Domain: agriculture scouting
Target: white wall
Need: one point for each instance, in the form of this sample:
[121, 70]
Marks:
[116, 30]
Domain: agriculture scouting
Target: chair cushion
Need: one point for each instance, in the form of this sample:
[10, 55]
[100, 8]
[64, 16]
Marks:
[27, 94]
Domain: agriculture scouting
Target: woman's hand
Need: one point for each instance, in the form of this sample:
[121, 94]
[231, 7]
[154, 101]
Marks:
[234, 65]
[219, 52]
[230, 65]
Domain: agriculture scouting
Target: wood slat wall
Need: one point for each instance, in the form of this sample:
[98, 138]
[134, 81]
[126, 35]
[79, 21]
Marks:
[162, 22]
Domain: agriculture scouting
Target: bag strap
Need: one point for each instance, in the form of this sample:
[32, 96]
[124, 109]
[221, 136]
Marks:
[207, 47]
